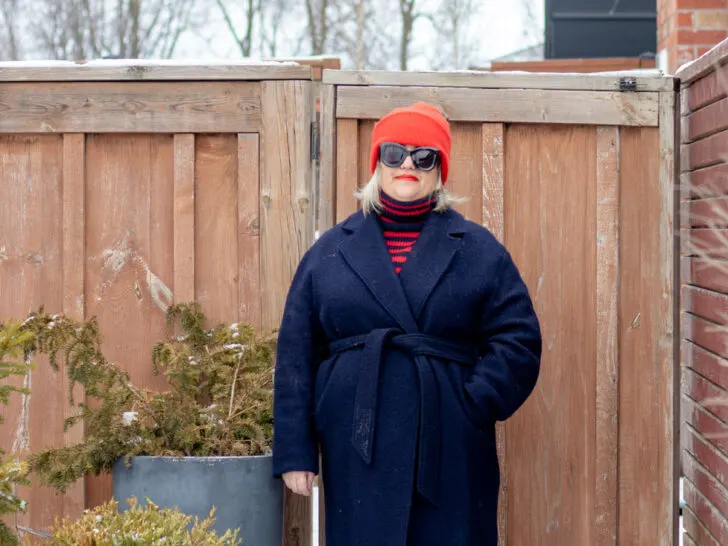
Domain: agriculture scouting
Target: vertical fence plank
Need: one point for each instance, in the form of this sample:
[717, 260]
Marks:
[607, 392]
[216, 226]
[550, 230]
[327, 180]
[641, 373]
[74, 260]
[249, 229]
[184, 218]
[668, 351]
[347, 167]
[286, 227]
[493, 138]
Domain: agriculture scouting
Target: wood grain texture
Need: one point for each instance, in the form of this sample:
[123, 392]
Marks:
[128, 107]
[512, 106]
[155, 70]
[347, 167]
[646, 455]
[493, 80]
[364, 138]
[74, 258]
[493, 177]
[607, 364]
[31, 264]
[184, 218]
[465, 178]
[492, 181]
[216, 226]
[248, 190]
[327, 165]
[286, 227]
[123, 290]
[551, 448]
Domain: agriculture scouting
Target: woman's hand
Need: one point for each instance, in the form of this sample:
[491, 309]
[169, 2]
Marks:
[300, 482]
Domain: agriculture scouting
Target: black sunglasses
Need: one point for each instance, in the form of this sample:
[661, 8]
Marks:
[393, 155]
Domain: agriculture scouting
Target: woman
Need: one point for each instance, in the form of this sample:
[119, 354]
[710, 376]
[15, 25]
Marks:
[407, 333]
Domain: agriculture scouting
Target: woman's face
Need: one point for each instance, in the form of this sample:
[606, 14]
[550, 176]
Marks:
[406, 183]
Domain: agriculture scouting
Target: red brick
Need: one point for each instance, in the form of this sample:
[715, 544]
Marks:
[707, 335]
[704, 303]
[702, 4]
[708, 88]
[705, 273]
[702, 51]
[707, 395]
[717, 19]
[685, 19]
[712, 519]
[708, 182]
[708, 151]
[706, 484]
[711, 119]
[712, 428]
[708, 243]
[697, 532]
[684, 54]
[701, 37]
[704, 452]
[705, 363]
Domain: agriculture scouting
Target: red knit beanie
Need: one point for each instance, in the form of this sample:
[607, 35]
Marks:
[418, 125]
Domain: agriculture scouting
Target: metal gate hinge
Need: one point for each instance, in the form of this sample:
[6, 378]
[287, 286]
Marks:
[628, 84]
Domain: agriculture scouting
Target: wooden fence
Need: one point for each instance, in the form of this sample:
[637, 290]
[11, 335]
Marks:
[576, 174]
[126, 188]
[704, 219]
[119, 196]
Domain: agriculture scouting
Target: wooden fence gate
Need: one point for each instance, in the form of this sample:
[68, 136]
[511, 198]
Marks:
[124, 188]
[576, 174]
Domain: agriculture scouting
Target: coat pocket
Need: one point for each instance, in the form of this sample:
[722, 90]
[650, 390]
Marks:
[471, 412]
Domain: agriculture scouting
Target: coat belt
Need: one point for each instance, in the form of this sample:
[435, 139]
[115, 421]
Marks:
[420, 347]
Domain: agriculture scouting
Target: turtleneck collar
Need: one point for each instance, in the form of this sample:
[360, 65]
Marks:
[405, 212]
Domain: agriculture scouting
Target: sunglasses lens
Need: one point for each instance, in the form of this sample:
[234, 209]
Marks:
[424, 160]
[392, 155]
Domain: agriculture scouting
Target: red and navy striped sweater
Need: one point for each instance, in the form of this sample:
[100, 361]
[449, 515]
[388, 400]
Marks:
[401, 224]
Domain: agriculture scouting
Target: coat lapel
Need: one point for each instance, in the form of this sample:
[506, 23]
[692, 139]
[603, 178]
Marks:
[367, 255]
[431, 255]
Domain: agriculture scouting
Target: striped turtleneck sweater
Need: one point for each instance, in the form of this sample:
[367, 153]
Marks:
[401, 224]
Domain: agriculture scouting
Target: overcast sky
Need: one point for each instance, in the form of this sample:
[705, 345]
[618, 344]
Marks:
[499, 27]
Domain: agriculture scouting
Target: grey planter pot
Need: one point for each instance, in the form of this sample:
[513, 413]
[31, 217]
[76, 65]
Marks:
[241, 489]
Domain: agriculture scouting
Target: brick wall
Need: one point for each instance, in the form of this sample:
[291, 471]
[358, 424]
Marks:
[686, 29]
[704, 317]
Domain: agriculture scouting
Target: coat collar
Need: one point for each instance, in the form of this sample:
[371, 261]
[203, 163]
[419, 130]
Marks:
[404, 298]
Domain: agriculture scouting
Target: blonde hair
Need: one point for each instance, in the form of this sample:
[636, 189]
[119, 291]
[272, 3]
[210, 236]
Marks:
[370, 202]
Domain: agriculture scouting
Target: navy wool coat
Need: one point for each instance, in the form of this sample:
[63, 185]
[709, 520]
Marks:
[399, 380]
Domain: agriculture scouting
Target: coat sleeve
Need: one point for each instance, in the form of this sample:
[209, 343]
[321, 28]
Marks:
[300, 341]
[508, 366]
